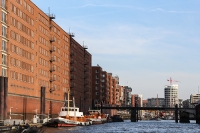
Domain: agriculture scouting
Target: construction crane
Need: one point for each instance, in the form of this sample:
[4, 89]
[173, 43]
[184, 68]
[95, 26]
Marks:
[170, 80]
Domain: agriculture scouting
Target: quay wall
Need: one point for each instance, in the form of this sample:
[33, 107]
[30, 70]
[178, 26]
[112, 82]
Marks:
[26, 107]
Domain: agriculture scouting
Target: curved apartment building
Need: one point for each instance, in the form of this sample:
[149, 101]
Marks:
[171, 95]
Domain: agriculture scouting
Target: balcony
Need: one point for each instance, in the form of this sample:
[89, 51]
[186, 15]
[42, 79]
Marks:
[52, 79]
[86, 90]
[52, 89]
[86, 76]
[52, 59]
[71, 34]
[52, 40]
[72, 85]
[72, 93]
[85, 97]
[86, 69]
[52, 69]
[72, 77]
[86, 83]
[86, 63]
[72, 61]
[85, 47]
[51, 16]
[72, 69]
[72, 53]
[52, 49]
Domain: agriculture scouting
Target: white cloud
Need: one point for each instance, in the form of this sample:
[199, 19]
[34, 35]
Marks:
[174, 11]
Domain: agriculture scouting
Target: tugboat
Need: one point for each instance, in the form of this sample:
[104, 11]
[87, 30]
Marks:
[69, 116]
[72, 113]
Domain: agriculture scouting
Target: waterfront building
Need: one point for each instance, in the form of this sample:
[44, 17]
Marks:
[144, 103]
[35, 62]
[105, 87]
[127, 96]
[187, 104]
[180, 103]
[80, 75]
[133, 100]
[155, 102]
[194, 99]
[171, 95]
[121, 95]
[96, 85]
[115, 90]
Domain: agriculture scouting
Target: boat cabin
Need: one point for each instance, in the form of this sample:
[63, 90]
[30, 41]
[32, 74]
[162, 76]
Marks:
[70, 111]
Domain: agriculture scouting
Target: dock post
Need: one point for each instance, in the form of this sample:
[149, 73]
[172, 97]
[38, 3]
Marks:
[133, 114]
[197, 108]
[176, 113]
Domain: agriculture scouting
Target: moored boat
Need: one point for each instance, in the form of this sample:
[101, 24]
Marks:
[116, 118]
[73, 114]
[61, 122]
[97, 117]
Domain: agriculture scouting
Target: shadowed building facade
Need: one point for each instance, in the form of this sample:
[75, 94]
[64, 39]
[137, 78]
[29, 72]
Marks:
[80, 75]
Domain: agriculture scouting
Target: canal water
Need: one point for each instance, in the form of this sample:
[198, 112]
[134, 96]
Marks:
[163, 126]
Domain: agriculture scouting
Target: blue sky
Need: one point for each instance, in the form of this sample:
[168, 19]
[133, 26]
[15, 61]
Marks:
[144, 42]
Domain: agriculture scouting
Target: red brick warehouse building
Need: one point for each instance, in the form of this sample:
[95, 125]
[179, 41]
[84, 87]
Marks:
[35, 61]
[105, 88]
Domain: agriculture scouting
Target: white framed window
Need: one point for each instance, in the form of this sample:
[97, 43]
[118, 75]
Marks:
[4, 45]
[4, 17]
[3, 31]
[3, 59]
[4, 72]
[3, 3]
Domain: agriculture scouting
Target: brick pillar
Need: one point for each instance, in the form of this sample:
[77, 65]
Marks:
[133, 115]
[42, 101]
[50, 109]
[24, 107]
[5, 96]
[197, 114]
[176, 113]
[184, 117]
[1, 98]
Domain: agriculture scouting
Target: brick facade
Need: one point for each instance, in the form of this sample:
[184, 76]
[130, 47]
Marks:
[36, 54]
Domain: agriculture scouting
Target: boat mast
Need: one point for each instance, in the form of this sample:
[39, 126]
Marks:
[74, 109]
[68, 102]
